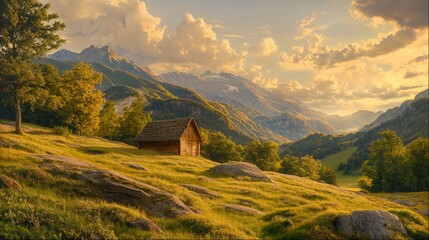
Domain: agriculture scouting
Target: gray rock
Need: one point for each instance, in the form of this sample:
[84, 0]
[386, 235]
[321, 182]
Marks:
[64, 160]
[200, 190]
[146, 225]
[241, 209]
[241, 169]
[136, 166]
[7, 182]
[118, 188]
[403, 202]
[371, 224]
[424, 211]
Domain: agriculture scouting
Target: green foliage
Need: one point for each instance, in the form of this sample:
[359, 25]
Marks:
[82, 100]
[264, 155]
[305, 166]
[393, 167]
[365, 182]
[219, 148]
[133, 121]
[109, 121]
[328, 175]
[419, 161]
[62, 131]
[27, 31]
[317, 145]
[411, 124]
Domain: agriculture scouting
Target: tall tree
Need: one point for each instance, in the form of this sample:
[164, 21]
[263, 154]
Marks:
[133, 120]
[219, 148]
[419, 161]
[388, 164]
[27, 31]
[82, 99]
[110, 121]
[264, 155]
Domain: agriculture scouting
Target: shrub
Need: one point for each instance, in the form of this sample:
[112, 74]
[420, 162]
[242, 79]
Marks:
[62, 131]
[365, 182]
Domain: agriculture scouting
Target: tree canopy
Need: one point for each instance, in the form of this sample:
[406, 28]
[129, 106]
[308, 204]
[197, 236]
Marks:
[27, 31]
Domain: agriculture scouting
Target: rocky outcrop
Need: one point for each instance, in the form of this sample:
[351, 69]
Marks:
[7, 182]
[403, 202]
[371, 224]
[241, 169]
[146, 225]
[118, 188]
[200, 190]
[241, 209]
[135, 166]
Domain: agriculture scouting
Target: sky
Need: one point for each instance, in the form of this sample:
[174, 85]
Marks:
[336, 56]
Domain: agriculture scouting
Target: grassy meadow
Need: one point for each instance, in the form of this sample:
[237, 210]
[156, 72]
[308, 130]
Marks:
[334, 160]
[51, 205]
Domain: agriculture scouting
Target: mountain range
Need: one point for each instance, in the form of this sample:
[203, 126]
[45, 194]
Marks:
[221, 101]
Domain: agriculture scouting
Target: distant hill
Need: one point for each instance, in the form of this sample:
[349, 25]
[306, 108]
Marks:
[106, 56]
[294, 127]
[394, 112]
[352, 122]
[411, 123]
[284, 116]
[165, 101]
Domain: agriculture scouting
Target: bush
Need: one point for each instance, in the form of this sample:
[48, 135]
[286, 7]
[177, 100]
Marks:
[365, 182]
[62, 131]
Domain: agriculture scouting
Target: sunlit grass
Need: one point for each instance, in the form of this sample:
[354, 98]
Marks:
[52, 206]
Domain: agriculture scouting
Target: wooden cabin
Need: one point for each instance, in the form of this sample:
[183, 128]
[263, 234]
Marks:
[176, 136]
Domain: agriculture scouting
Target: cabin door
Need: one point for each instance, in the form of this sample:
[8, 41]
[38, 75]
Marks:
[188, 149]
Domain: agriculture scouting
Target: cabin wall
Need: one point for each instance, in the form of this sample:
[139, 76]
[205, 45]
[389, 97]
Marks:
[190, 143]
[172, 147]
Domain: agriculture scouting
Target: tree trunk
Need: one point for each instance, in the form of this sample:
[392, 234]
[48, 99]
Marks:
[18, 119]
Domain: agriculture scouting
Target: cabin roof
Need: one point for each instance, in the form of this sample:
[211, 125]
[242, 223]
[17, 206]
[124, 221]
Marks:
[166, 130]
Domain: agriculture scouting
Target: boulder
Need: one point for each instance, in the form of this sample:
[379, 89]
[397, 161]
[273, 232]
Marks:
[403, 202]
[200, 190]
[117, 188]
[371, 224]
[424, 211]
[241, 209]
[146, 225]
[241, 169]
[124, 190]
[63, 160]
[7, 182]
[135, 166]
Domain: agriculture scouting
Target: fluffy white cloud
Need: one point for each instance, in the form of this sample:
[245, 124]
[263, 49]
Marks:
[194, 41]
[124, 24]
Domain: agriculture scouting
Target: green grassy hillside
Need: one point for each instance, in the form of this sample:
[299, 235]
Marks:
[334, 160]
[54, 201]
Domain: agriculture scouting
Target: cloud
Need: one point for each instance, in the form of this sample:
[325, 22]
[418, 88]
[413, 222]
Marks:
[412, 74]
[357, 84]
[419, 59]
[406, 13]
[194, 41]
[264, 48]
[123, 24]
[327, 58]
